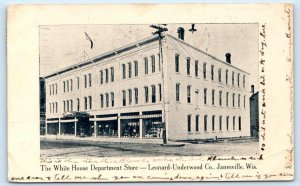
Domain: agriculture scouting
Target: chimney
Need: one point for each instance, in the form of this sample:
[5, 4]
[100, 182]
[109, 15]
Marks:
[252, 89]
[180, 32]
[228, 57]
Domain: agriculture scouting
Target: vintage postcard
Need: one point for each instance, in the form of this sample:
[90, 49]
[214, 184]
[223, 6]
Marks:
[150, 92]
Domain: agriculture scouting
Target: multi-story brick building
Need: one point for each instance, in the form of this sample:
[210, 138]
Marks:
[136, 91]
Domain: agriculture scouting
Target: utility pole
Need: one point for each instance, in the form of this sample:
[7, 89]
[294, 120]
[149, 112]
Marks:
[159, 31]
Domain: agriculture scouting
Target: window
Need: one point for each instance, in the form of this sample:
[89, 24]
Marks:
[189, 93]
[244, 101]
[233, 98]
[159, 65]
[220, 123]
[67, 85]
[227, 97]
[159, 91]
[107, 100]
[71, 84]
[196, 68]
[85, 103]
[101, 101]
[205, 96]
[197, 123]
[146, 94]
[220, 98]
[146, 65]
[55, 88]
[178, 92]
[205, 123]
[56, 107]
[78, 83]
[153, 63]
[238, 79]
[130, 96]
[213, 123]
[136, 96]
[213, 97]
[112, 98]
[189, 122]
[136, 68]
[106, 75]
[188, 66]
[232, 78]
[212, 72]
[64, 85]
[90, 101]
[226, 77]
[244, 81]
[78, 104]
[64, 107]
[239, 99]
[240, 123]
[71, 105]
[197, 98]
[101, 76]
[204, 70]
[124, 97]
[129, 70]
[220, 75]
[176, 62]
[112, 74]
[124, 71]
[227, 123]
[90, 80]
[85, 81]
[68, 105]
[153, 93]
[233, 123]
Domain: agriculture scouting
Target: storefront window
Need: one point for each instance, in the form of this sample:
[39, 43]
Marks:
[130, 128]
[152, 128]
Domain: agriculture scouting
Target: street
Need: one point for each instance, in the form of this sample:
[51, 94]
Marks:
[74, 148]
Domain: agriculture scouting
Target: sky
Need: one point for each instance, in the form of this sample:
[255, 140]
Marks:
[64, 45]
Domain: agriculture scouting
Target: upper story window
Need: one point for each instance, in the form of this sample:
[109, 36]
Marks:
[177, 92]
[176, 62]
[233, 123]
[204, 70]
[130, 97]
[220, 123]
[189, 93]
[244, 81]
[232, 78]
[146, 94]
[85, 81]
[85, 103]
[112, 98]
[213, 97]
[146, 65]
[106, 75]
[238, 79]
[205, 96]
[71, 84]
[227, 123]
[136, 96]
[196, 68]
[213, 123]
[212, 72]
[239, 100]
[55, 88]
[107, 99]
[153, 63]
[205, 123]
[197, 123]
[78, 83]
[244, 101]
[78, 104]
[188, 66]
[101, 100]
[101, 76]
[220, 98]
[124, 97]
[159, 92]
[220, 75]
[159, 65]
[189, 122]
[64, 85]
[123, 71]
[90, 80]
[112, 74]
[240, 123]
[153, 93]
[226, 77]
[67, 85]
[136, 68]
[90, 102]
[227, 97]
[233, 99]
[129, 70]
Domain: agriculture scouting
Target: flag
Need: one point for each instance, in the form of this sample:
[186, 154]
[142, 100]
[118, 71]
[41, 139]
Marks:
[87, 37]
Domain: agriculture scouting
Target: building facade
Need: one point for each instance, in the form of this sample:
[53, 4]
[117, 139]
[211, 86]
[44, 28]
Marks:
[137, 91]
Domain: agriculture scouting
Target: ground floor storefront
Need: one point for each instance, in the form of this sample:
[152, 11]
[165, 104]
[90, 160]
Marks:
[137, 125]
